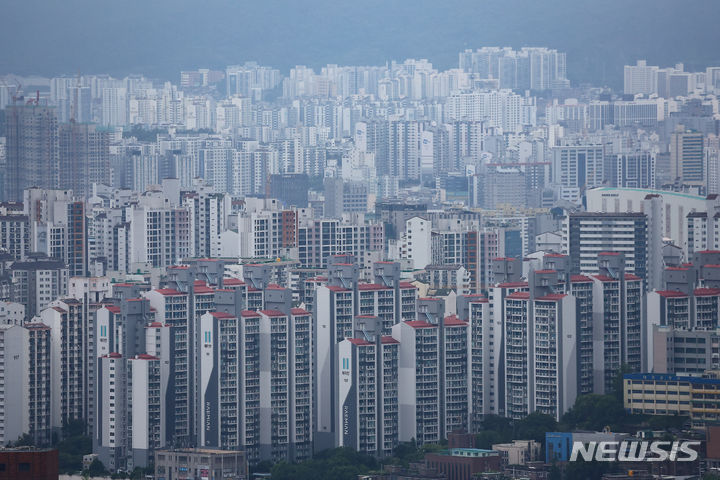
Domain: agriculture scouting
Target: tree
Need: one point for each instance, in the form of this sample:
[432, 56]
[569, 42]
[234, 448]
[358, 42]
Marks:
[405, 453]
[262, 467]
[534, 427]
[97, 469]
[336, 464]
[594, 412]
[24, 440]
[73, 446]
[617, 384]
[495, 429]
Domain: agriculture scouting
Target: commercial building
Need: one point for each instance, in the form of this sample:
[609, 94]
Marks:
[519, 452]
[464, 463]
[28, 463]
[669, 394]
[559, 445]
[202, 463]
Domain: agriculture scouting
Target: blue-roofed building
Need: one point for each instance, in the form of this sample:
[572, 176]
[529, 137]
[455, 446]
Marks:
[558, 446]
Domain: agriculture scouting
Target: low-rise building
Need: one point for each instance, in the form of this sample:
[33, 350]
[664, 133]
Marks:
[519, 452]
[463, 463]
[28, 463]
[200, 463]
[669, 394]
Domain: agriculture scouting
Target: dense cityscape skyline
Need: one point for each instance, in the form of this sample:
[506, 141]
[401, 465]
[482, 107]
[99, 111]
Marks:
[375, 269]
[133, 38]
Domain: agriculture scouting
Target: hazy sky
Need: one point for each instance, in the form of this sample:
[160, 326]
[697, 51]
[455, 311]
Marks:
[161, 37]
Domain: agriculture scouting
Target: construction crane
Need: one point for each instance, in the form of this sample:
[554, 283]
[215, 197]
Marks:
[34, 101]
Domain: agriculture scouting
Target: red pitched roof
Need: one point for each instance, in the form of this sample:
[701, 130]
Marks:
[605, 278]
[272, 313]
[388, 339]
[580, 279]
[36, 326]
[420, 324]
[513, 284]
[249, 313]
[334, 288]
[479, 299]
[371, 286]
[707, 292]
[299, 311]
[145, 356]
[221, 315]
[671, 294]
[168, 291]
[552, 297]
[453, 321]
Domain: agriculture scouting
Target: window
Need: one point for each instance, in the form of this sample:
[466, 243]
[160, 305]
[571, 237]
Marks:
[24, 467]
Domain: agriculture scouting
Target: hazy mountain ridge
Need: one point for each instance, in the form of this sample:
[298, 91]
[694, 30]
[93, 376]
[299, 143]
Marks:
[160, 38]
